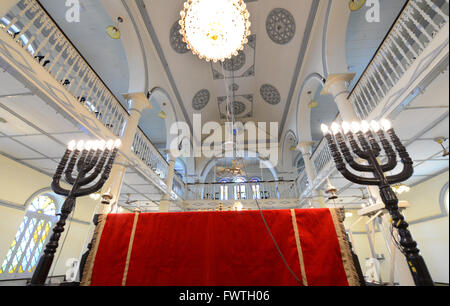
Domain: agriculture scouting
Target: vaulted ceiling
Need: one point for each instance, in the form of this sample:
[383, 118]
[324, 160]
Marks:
[260, 78]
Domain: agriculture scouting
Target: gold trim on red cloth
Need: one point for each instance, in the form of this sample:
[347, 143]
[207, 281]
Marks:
[299, 249]
[347, 258]
[130, 248]
[89, 266]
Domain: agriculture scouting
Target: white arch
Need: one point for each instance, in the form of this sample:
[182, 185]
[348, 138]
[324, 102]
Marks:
[213, 161]
[286, 153]
[132, 43]
[160, 95]
[336, 32]
[303, 113]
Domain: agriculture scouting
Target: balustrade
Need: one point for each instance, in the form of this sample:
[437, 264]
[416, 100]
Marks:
[31, 27]
[242, 191]
[412, 32]
[146, 152]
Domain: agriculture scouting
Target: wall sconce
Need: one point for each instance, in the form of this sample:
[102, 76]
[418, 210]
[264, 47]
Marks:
[113, 31]
[441, 141]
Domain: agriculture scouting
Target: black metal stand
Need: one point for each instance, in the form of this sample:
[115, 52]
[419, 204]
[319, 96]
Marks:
[85, 164]
[369, 152]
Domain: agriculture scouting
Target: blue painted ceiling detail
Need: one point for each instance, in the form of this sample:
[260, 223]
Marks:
[201, 99]
[270, 94]
[176, 39]
[280, 26]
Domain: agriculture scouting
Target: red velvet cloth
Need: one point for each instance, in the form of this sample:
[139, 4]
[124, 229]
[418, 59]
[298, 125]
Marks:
[218, 249]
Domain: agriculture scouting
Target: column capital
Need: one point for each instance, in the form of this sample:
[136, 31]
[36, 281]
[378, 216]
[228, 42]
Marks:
[138, 101]
[336, 83]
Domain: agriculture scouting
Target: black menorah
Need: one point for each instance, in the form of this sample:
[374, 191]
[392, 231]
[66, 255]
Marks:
[366, 146]
[93, 161]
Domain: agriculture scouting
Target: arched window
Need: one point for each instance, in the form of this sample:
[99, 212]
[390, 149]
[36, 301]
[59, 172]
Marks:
[256, 188]
[224, 189]
[30, 239]
[239, 188]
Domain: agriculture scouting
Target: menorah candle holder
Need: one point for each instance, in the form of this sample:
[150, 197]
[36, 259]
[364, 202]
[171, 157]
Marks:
[93, 161]
[367, 141]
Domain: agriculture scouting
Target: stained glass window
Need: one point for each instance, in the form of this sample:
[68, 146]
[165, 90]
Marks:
[25, 249]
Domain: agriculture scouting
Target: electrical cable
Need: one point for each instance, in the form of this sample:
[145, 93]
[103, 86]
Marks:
[231, 109]
[273, 238]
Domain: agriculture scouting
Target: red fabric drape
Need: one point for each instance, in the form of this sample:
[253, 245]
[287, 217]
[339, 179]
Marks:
[218, 249]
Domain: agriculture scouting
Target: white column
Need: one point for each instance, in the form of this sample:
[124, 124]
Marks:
[164, 205]
[305, 148]
[337, 86]
[6, 6]
[138, 102]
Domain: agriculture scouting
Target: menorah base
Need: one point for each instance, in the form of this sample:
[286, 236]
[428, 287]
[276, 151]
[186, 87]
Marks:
[419, 270]
[42, 270]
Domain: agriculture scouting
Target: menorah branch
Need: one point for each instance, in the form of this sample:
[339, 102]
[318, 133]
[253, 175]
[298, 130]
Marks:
[89, 158]
[370, 152]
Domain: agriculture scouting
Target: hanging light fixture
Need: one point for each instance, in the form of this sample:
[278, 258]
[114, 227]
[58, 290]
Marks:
[215, 30]
[441, 141]
[356, 5]
[162, 115]
[313, 104]
[113, 31]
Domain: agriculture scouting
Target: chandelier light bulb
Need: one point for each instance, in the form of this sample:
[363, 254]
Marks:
[215, 30]
[102, 145]
[356, 127]
[386, 124]
[89, 145]
[117, 143]
[110, 144]
[96, 145]
[365, 126]
[72, 145]
[335, 128]
[325, 129]
[80, 145]
[346, 127]
[375, 126]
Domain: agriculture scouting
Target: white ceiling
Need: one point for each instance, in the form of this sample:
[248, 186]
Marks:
[274, 64]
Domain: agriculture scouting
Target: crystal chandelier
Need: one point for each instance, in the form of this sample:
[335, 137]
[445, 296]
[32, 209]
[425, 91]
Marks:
[215, 30]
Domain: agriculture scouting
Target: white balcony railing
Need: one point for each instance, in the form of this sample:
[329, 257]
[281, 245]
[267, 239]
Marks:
[417, 25]
[28, 24]
[36, 32]
[147, 152]
[242, 191]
